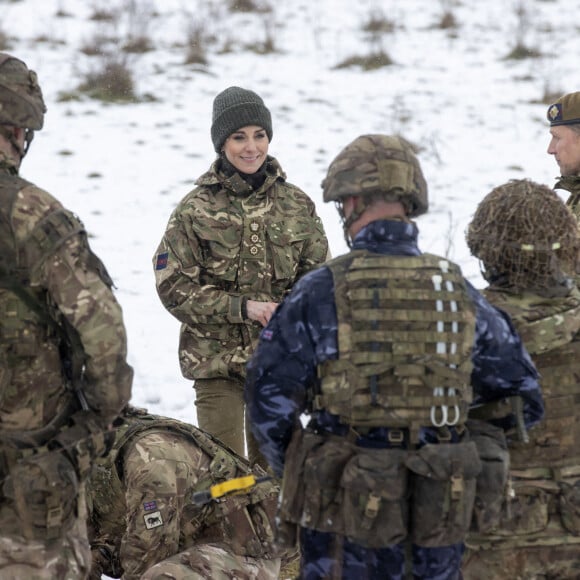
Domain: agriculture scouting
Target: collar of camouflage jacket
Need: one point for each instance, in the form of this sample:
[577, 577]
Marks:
[235, 183]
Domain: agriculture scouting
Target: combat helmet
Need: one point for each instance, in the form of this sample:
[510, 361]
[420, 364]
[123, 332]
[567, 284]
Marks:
[525, 237]
[21, 102]
[378, 165]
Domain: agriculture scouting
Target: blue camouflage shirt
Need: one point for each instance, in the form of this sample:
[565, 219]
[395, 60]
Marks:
[302, 334]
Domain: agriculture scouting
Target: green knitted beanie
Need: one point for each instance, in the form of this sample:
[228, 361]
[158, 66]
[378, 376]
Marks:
[235, 108]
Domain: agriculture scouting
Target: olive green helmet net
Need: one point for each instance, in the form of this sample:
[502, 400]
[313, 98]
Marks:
[525, 236]
[377, 166]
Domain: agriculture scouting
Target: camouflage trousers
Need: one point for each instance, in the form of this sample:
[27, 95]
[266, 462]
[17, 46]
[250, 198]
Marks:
[67, 558]
[221, 411]
[526, 563]
[212, 561]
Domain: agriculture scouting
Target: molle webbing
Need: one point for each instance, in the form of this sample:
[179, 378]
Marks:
[406, 331]
[548, 328]
[556, 440]
[138, 422]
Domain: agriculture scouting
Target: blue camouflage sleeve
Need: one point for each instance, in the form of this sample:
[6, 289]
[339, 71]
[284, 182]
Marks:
[502, 366]
[300, 335]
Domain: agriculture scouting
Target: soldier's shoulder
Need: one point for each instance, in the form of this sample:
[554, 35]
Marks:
[195, 199]
[32, 204]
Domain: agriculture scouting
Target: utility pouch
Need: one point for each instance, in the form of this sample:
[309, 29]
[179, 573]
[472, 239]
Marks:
[491, 493]
[443, 492]
[570, 506]
[43, 490]
[323, 468]
[529, 511]
[375, 497]
[250, 528]
[293, 490]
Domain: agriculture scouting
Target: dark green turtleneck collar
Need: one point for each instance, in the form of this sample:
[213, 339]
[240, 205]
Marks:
[254, 180]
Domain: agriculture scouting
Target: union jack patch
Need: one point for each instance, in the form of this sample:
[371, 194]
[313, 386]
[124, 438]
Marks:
[267, 334]
[149, 506]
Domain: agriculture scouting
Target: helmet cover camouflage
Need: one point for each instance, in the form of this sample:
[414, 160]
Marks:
[378, 165]
[21, 102]
[524, 235]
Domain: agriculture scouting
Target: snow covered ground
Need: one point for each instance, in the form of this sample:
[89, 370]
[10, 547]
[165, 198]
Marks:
[478, 118]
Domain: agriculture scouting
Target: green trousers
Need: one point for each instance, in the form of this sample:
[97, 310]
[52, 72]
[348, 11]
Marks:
[221, 411]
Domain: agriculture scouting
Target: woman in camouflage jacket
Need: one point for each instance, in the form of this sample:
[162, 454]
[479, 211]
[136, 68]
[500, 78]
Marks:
[233, 248]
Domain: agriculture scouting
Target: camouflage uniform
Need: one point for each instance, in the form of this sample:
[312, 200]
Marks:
[565, 112]
[144, 523]
[385, 463]
[63, 374]
[571, 183]
[226, 243]
[542, 537]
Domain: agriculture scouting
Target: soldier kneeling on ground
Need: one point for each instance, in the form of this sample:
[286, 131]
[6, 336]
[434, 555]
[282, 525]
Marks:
[161, 506]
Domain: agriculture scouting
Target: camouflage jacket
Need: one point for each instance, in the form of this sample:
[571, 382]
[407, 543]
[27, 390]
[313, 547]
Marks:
[140, 498]
[571, 183]
[45, 254]
[226, 243]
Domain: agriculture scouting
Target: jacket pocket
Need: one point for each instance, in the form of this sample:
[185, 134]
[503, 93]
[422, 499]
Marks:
[286, 248]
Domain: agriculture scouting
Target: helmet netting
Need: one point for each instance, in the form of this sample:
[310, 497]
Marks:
[524, 234]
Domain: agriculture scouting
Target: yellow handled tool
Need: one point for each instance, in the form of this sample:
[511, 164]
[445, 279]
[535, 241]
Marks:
[236, 485]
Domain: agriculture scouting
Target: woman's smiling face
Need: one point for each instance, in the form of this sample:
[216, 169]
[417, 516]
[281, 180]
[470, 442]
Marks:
[246, 149]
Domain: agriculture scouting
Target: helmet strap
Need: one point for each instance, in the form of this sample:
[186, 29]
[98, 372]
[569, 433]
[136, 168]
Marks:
[28, 137]
[359, 207]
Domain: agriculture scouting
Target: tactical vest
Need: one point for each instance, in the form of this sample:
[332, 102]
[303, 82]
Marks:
[223, 521]
[405, 337]
[549, 328]
[546, 471]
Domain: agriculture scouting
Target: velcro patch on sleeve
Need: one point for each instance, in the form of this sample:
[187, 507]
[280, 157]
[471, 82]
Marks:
[161, 262]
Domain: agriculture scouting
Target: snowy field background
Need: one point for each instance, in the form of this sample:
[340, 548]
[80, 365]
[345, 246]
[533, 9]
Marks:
[478, 117]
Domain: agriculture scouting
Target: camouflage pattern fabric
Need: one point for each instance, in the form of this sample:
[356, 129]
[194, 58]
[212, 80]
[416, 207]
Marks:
[20, 95]
[541, 537]
[224, 243]
[45, 249]
[571, 183]
[303, 334]
[67, 558]
[531, 563]
[144, 515]
[59, 267]
[212, 561]
[378, 165]
[385, 305]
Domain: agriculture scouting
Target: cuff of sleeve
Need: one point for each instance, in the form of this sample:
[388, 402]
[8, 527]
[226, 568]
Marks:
[237, 307]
